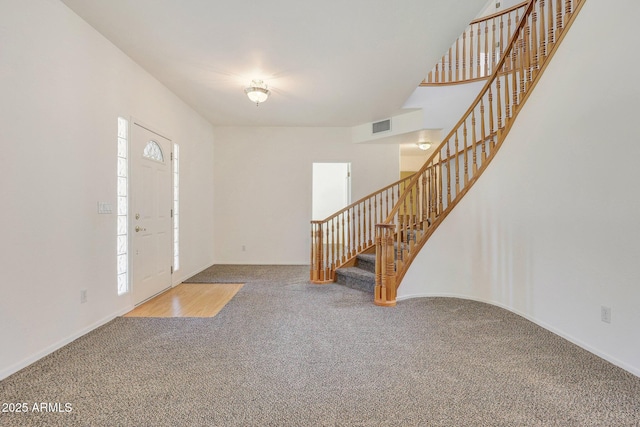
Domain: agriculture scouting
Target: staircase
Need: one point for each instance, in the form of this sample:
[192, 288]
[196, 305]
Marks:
[396, 221]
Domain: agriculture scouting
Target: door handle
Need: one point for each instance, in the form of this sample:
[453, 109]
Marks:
[139, 229]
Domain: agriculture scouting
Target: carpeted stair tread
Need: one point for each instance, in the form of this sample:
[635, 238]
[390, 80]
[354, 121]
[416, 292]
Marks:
[366, 262]
[356, 278]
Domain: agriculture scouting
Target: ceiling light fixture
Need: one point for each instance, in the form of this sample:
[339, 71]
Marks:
[257, 91]
[424, 146]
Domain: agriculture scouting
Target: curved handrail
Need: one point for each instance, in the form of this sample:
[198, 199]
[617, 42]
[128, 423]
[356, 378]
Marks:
[466, 151]
[337, 239]
[470, 60]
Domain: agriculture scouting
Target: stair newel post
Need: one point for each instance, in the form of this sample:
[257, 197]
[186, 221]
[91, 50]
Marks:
[385, 290]
[327, 258]
[317, 267]
[333, 263]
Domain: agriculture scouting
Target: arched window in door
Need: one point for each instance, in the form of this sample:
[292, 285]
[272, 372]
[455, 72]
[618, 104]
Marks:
[153, 151]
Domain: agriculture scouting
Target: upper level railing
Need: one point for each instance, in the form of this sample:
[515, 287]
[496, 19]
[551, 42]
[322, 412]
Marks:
[467, 150]
[336, 240]
[479, 48]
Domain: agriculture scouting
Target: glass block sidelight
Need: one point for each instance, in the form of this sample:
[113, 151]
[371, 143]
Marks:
[153, 151]
[122, 218]
[176, 205]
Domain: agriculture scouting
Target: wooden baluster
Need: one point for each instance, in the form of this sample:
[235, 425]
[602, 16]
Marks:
[568, 9]
[353, 232]
[399, 237]
[507, 99]
[343, 255]
[483, 130]
[433, 193]
[442, 70]
[551, 31]
[332, 243]
[457, 164]
[491, 115]
[376, 218]
[429, 193]
[359, 231]
[440, 186]
[327, 269]
[478, 51]
[534, 43]
[466, 155]
[501, 51]
[473, 142]
[450, 66]
[464, 57]
[411, 218]
[521, 44]
[448, 175]
[487, 55]
[543, 33]
[499, 103]
[424, 199]
[372, 213]
[471, 45]
[494, 45]
[514, 79]
[507, 66]
[457, 78]
[559, 27]
[528, 59]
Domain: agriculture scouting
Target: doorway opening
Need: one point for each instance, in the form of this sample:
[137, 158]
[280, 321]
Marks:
[331, 188]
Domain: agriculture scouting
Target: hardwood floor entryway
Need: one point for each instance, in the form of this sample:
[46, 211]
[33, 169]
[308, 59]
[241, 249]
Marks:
[188, 300]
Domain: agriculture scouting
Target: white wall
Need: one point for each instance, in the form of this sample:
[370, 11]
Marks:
[263, 187]
[443, 106]
[63, 87]
[551, 230]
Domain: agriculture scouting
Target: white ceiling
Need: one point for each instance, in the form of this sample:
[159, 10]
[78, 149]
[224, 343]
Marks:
[328, 63]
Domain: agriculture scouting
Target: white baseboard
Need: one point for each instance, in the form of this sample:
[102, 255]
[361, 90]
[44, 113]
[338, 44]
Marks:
[56, 346]
[629, 368]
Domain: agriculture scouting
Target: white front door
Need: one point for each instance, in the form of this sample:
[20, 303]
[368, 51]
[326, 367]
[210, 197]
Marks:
[151, 224]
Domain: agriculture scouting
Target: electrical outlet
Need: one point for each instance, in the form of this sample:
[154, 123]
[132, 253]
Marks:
[605, 314]
[83, 296]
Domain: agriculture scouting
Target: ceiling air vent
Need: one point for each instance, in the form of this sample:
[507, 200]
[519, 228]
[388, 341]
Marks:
[382, 126]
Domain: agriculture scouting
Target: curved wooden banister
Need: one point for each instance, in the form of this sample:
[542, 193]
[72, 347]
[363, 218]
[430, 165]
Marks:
[471, 145]
[336, 240]
[474, 55]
